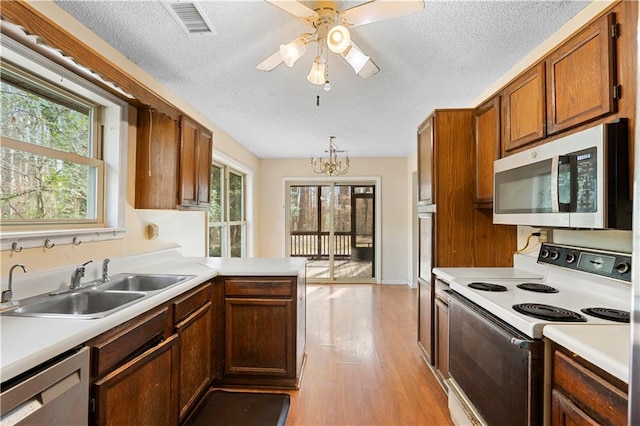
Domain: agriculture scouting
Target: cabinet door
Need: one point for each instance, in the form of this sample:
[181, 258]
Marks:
[141, 392]
[188, 163]
[581, 77]
[259, 337]
[425, 162]
[566, 413]
[204, 158]
[441, 328]
[157, 144]
[196, 356]
[523, 109]
[487, 150]
[425, 320]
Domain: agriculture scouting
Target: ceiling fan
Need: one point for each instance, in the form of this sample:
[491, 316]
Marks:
[331, 33]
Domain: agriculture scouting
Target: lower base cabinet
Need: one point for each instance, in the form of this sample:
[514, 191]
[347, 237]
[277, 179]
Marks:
[441, 328]
[583, 394]
[141, 392]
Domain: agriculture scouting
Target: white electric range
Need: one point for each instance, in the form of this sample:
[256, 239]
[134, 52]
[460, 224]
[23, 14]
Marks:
[495, 346]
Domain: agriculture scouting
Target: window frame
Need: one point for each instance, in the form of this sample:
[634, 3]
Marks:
[113, 144]
[225, 223]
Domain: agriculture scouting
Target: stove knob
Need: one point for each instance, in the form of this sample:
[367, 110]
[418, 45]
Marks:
[571, 258]
[623, 267]
[555, 255]
[544, 253]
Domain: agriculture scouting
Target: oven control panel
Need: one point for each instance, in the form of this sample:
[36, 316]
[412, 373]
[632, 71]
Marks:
[608, 264]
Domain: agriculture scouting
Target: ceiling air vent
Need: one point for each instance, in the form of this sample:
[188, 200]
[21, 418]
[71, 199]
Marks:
[189, 17]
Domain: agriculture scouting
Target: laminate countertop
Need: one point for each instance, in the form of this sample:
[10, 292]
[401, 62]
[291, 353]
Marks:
[606, 346]
[26, 342]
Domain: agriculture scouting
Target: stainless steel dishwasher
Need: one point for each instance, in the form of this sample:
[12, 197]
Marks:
[56, 393]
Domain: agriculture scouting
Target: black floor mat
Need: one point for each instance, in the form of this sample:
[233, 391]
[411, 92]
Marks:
[242, 409]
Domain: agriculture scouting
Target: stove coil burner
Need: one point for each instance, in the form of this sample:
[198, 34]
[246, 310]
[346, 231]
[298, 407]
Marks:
[548, 312]
[487, 286]
[537, 287]
[608, 314]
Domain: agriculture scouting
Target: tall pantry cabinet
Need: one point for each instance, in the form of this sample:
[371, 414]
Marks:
[452, 231]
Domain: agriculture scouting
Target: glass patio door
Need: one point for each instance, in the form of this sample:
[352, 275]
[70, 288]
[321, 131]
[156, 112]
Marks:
[332, 225]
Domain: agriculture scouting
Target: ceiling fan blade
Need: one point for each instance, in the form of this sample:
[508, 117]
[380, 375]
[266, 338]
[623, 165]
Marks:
[374, 11]
[271, 62]
[296, 9]
[361, 63]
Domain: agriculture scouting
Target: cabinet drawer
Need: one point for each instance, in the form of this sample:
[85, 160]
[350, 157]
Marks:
[191, 302]
[112, 349]
[262, 287]
[593, 394]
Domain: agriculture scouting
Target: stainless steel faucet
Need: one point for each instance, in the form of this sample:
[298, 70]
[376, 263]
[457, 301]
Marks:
[8, 294]
[77, 276]
[105, 270]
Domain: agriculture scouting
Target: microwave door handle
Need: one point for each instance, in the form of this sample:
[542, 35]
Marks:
[555, 202]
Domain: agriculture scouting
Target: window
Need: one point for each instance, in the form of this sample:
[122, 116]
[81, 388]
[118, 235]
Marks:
[61, 154]
[51, 170]
[227, 216]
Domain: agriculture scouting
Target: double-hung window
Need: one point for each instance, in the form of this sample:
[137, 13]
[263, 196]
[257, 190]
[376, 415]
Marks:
[52, 170]
[62, 154]
[227, 216]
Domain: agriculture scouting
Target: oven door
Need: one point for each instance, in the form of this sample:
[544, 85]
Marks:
[497, 368]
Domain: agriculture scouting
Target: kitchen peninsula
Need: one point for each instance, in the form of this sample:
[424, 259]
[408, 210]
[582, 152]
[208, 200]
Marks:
[233, 322]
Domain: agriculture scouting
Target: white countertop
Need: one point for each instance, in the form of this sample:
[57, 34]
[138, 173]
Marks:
[29, 341]
[281, 266]
[606, 346]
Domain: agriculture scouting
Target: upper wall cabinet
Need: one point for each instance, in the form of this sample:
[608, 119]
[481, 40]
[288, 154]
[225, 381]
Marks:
[581, 77]
[173, 163]
[487, 127]
[425, 162]
[523, 109]
[156, 161]
[196, 151]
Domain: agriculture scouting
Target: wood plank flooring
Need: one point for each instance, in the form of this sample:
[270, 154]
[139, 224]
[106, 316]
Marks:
[363, 366]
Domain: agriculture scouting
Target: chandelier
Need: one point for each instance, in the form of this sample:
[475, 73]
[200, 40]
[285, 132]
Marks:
[332, 165]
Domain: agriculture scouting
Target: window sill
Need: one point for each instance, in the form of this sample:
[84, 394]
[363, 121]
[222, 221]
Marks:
[16, 241]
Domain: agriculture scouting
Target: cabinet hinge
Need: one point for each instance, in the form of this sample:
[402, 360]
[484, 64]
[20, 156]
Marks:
[617, 91]
[92, 405]
[615, 30]
[224, 365]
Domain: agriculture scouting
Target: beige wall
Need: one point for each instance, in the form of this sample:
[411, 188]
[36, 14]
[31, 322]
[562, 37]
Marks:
[395, 181]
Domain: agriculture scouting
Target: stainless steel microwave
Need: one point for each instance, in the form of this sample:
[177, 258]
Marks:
[579, 181]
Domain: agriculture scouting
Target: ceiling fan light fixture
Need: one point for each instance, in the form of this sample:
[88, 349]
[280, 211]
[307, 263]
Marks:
[355, 58]
[293, 51]
[338, 39]
[317, 73]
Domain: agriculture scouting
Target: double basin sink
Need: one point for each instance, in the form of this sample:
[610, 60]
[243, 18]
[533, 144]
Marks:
[98, 299]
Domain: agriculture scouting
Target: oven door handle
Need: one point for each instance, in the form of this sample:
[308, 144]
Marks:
[521, 343]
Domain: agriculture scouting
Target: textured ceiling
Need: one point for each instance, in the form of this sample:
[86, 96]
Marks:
[441, 57]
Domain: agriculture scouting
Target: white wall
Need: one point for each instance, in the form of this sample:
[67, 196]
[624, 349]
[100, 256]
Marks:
[395, 181]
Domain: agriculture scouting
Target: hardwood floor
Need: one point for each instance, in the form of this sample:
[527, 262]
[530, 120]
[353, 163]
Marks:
[363, 366]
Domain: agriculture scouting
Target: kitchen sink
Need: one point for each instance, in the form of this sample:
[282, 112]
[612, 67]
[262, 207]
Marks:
[82, 304]
[142, 282]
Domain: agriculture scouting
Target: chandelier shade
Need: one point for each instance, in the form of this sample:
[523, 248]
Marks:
[293, 51]
[338, 39]
[318, 70]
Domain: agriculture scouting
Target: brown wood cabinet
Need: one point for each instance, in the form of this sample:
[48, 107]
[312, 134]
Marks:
[487, 150]
[441, 328]
[196, 151]
[583, 394]
[264, 330]
[425, 320]
[523, 109]
[460, 235]
[173, 163]
[425, 162]
[193, 323]
[581, 77]
[134, 372]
